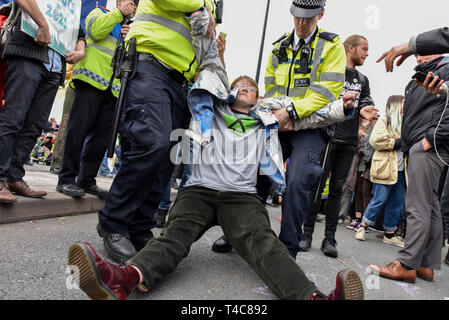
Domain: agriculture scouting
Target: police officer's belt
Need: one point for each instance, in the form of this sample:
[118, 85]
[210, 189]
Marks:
[174, 74]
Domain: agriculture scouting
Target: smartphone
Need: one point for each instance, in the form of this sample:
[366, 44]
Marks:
[223, 35]
[421, 76]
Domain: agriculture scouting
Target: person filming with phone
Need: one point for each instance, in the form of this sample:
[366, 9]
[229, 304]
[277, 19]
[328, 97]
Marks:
[425, 128]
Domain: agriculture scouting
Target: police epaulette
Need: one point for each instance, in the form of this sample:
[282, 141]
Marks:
[283, 36]
[329, 36]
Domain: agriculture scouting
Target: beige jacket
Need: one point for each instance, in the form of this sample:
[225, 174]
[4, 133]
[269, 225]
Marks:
[384, 166]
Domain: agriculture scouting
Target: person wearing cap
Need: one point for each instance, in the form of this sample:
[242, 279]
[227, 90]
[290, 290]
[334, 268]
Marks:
[307, 65]
[154, 106]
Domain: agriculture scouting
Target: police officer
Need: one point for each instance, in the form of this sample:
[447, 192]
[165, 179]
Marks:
[307, 65]
[155, 104]
[96, 94]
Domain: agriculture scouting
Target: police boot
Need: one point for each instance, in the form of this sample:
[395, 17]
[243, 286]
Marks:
[221, 245]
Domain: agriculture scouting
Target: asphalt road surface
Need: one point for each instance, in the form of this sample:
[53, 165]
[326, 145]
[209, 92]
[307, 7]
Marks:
[33, 266]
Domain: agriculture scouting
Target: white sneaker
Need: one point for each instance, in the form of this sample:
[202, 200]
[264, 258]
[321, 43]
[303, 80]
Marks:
[394, 240]
[360, 234]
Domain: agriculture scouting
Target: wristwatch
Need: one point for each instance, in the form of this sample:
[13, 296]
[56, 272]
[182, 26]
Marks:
[291, 111]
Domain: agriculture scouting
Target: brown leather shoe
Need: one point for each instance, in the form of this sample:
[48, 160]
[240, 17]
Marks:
[395, 271]
[21, 188]
[5, 195]
[425, 274]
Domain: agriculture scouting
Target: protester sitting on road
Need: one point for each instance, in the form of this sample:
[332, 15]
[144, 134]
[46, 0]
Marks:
[424, 139]
[386, 173]
[215, 194]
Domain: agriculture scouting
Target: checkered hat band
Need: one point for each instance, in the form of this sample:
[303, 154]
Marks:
[309, 4]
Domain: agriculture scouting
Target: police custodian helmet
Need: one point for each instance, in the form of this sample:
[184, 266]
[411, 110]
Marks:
[306, 8]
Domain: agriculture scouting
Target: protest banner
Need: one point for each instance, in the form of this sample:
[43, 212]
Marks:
[63, 18]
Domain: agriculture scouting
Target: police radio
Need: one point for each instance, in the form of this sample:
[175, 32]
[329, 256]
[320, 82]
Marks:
[218, 11]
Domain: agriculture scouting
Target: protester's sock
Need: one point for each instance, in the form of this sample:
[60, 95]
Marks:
[389, 235]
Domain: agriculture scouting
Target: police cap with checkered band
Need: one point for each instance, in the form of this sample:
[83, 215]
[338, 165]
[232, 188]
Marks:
[306, 8]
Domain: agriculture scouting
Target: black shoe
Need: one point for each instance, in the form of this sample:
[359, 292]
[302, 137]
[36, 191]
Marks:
[96, 191]
[221, 245]
[141, 242]
[446, 261]
[119, 247]
[160, 216]
[306, 242]
[70, 190]
[329, 247]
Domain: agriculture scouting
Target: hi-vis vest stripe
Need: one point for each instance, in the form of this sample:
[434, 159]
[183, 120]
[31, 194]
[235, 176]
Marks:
[310, 91]
[165, 22]
[95, 77]
[102, 32]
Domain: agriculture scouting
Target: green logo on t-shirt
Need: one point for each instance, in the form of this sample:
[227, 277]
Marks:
[239, 126]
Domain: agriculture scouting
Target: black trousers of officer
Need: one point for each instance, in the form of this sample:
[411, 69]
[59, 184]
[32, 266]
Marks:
[155, 104]
[338, 164]
[303, 149]
[90, 125]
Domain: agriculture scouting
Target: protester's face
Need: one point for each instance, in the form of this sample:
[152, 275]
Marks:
[359, 53]
[305, 26]
[246, 94]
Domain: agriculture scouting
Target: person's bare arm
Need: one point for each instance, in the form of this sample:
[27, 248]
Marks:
[43, 37]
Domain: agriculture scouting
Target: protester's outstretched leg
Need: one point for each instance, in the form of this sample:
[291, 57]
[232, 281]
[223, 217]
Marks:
[192, 214]
[246, 224]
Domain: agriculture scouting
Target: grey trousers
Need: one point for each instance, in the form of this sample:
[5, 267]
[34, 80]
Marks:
[422, 245]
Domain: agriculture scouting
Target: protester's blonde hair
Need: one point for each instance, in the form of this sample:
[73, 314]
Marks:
[394, 116]
[353, 41]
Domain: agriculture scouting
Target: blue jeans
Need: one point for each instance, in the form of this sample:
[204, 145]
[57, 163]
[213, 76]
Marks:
[165, 202]
[29, 95]
[104, 168]
[394, 198]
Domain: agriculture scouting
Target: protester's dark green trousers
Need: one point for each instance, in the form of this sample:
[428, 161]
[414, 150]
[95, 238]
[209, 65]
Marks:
[246, 225]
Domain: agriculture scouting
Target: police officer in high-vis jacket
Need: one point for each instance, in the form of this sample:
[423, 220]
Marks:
[307, 65]
[96, 92]
[155, 105]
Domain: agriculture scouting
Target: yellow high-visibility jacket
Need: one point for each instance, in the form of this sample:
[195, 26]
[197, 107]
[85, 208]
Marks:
[102, 33]
[160, 28]
[310, 91]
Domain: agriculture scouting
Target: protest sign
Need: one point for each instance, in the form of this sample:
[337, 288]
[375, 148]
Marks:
[63, 18]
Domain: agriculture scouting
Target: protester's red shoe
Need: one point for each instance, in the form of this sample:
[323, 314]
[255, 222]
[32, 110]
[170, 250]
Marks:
[348, 287]
[98, 278]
